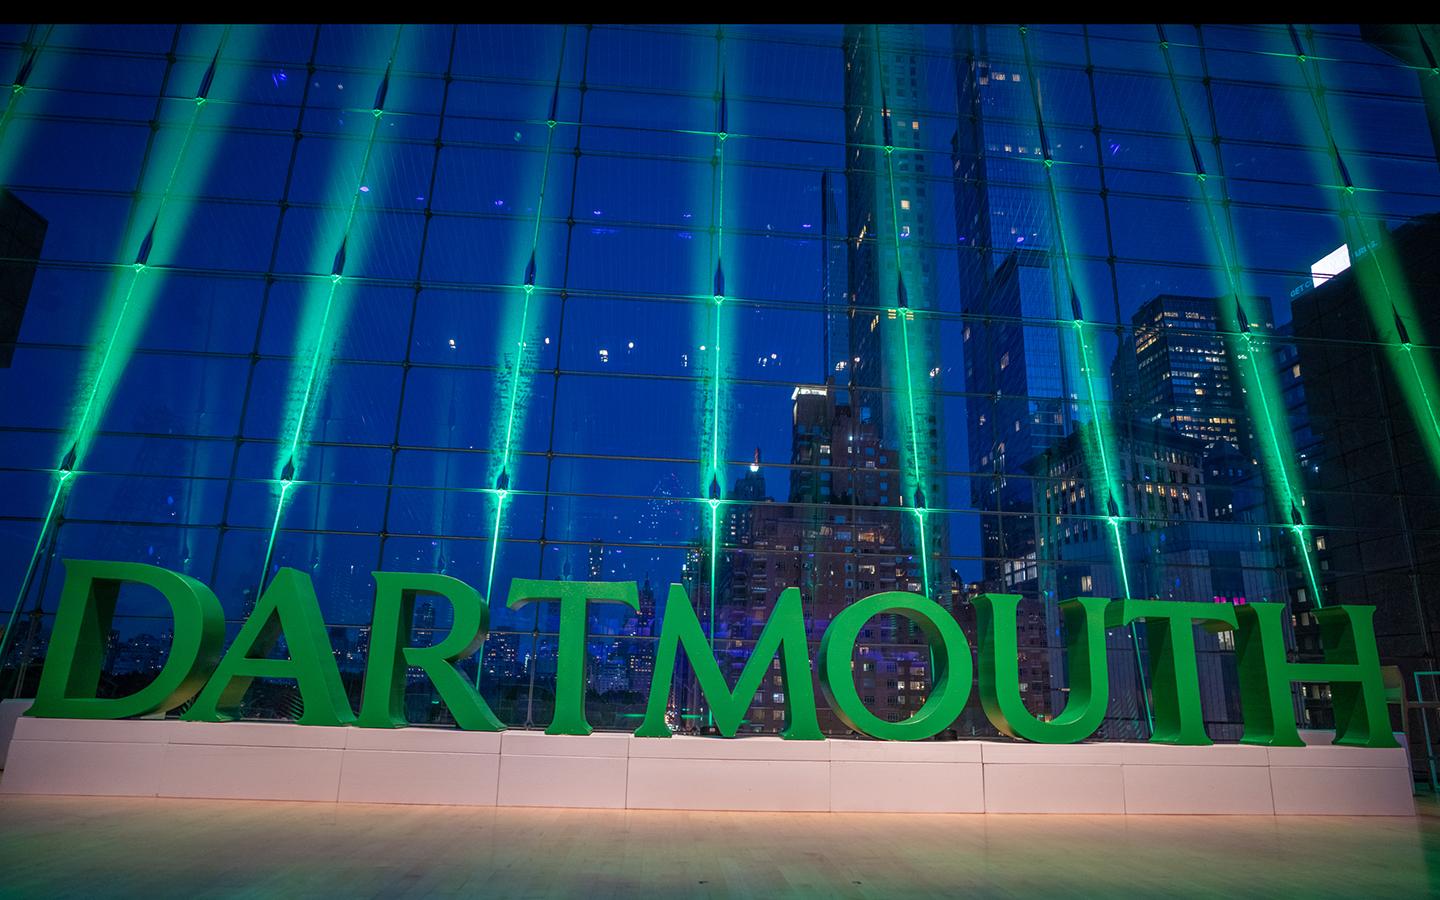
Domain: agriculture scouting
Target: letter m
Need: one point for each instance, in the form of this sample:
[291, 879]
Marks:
[784, 634]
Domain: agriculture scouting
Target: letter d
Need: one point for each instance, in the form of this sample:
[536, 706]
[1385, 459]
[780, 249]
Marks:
[82, 625]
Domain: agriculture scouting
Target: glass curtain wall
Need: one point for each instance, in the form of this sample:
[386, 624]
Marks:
[1055, 311]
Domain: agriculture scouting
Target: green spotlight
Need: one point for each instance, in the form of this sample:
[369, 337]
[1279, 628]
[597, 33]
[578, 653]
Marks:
[317, 333]
[516, 372]
[1099, 439]
[1386, 293]
[1276, 448]
[17, 87]
[914, 450]
[130, 312]
[713, 411]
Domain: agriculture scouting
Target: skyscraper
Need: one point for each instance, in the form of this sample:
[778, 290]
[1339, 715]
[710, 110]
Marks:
[894, 354]
[1003, 229]
[1185, 378]
[834, 283]
[842, 536]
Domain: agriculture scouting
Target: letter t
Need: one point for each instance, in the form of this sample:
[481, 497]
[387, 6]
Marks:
[574, 597]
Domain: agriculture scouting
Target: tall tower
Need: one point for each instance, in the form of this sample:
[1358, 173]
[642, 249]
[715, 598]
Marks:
[1004, 232]
[1185, 377]
[894, 363]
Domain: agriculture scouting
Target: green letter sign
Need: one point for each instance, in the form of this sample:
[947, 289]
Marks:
[1085, 670]
[1351, 668]
[574, 597]
[953, 671]
[383, 702]
[288, 609]
[288, 606]
[784, 633]
[82, 624]
[1174, 676]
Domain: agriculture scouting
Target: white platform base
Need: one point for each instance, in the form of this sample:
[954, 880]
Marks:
[276, 761]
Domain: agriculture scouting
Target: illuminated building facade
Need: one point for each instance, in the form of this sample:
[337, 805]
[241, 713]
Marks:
[734, 308]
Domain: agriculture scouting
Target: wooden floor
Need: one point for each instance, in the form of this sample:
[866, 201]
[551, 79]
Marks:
[52, 846]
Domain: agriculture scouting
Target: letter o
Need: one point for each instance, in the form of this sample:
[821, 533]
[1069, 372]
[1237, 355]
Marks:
[953, 670]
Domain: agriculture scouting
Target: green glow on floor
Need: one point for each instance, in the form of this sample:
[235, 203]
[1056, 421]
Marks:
[1099, 437]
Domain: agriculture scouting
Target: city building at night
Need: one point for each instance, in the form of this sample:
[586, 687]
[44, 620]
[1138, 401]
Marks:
[852, 418]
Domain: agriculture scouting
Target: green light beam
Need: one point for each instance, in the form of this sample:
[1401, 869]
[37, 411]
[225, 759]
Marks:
[714, 566]
[717, 247]
[1113, 512]
[1420, 382]
[82, 431]
[1078, 318]
[718, 258]
[140, 265]
[1276, 449]
[903, 313]
[1297, 524]
[274, 529]
[527, 285]
[1349, 213]
[527, 290]
[494, 554]
[22, 78]
[289, 461]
